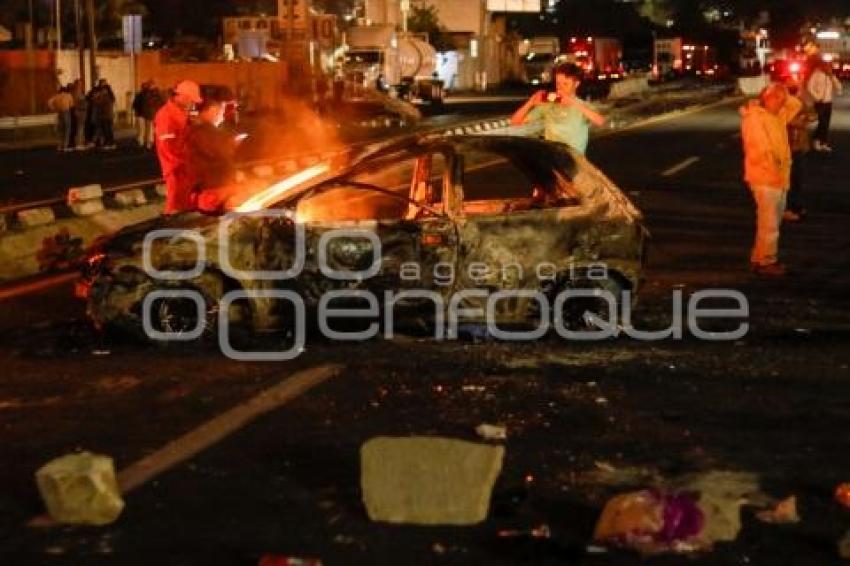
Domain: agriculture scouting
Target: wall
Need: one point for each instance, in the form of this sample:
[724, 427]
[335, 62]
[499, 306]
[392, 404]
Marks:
[259, 85]
[113, 66]
[20, 87]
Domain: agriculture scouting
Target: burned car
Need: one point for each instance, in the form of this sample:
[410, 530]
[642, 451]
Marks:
[424, 223]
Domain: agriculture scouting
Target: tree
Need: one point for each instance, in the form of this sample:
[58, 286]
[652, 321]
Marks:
[426, 19]
[658, 12]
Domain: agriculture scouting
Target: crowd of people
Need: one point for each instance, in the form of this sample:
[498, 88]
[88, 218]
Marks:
[86, 120]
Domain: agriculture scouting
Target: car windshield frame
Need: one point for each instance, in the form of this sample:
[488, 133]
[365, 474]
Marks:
[370, 164]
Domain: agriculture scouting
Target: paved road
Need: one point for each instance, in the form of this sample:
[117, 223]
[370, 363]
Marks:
[774, 403]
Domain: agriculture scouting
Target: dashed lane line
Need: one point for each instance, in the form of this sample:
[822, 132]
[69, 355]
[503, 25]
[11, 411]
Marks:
[679, 167]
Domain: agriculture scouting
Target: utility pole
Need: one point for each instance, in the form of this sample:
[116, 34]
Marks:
[92, 41]
[58, 26]
[30, 43]
[81, 43]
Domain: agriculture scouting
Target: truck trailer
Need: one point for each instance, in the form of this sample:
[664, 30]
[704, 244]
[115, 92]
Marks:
[379, 57]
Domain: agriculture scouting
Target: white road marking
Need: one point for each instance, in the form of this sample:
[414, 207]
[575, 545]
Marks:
[678, 168]
[214, 430]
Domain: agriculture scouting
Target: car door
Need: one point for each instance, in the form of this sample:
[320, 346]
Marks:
[511, 239]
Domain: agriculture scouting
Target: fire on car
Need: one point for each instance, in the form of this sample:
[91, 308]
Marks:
[428, 214]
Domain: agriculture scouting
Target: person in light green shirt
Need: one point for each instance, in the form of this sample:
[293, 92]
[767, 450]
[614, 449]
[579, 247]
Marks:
[565, 117]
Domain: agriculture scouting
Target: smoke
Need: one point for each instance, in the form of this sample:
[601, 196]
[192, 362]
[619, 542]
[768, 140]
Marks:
[295, 129]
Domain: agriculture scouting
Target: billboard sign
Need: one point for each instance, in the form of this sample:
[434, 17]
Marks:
[132, 31]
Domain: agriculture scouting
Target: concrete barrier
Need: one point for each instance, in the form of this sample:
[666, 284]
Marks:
[628, 87]
[752, 86]
[87, 207]
[85, 201]
[133, 197]
[88, 192]
[35, 217]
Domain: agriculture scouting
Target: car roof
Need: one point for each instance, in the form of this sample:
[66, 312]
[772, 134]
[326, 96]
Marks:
[537, 150]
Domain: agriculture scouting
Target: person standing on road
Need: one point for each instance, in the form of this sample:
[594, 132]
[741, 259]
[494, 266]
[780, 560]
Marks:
[80, 112]
[145, 105]
[566, 118]
[103, 100]
[801, 144]
[767, 170]
[63, 104]
[822, 86]
[170, 127]
[210, 158]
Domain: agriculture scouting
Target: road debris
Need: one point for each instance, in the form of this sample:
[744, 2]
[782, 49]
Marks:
[428, 480]
[785, 512]
[80, 489]
[721, 495]
[652, 522]
[492, 432]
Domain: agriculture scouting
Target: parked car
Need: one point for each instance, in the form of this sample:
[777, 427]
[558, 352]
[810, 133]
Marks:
[451, 214]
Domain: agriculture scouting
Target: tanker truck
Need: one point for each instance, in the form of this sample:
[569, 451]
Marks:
[404, 64]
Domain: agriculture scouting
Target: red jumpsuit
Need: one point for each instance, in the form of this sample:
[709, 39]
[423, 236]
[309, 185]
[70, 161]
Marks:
[170, 125]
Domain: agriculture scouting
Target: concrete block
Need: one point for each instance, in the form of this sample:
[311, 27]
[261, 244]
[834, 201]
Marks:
[135, 197]
[161, 189]
[88, 192]
[263, 171]
[87, 207]
[428, 480]
[34, 217]
[80, 489]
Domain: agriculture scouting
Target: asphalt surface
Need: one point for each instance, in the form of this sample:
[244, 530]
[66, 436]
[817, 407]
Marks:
[775, 403]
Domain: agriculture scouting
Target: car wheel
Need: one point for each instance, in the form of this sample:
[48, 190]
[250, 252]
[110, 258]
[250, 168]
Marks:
[178, 315]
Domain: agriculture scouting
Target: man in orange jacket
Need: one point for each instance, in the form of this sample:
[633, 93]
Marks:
[170, 126]
[767, 170]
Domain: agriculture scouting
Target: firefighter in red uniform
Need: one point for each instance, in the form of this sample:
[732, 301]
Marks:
[170, 125]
